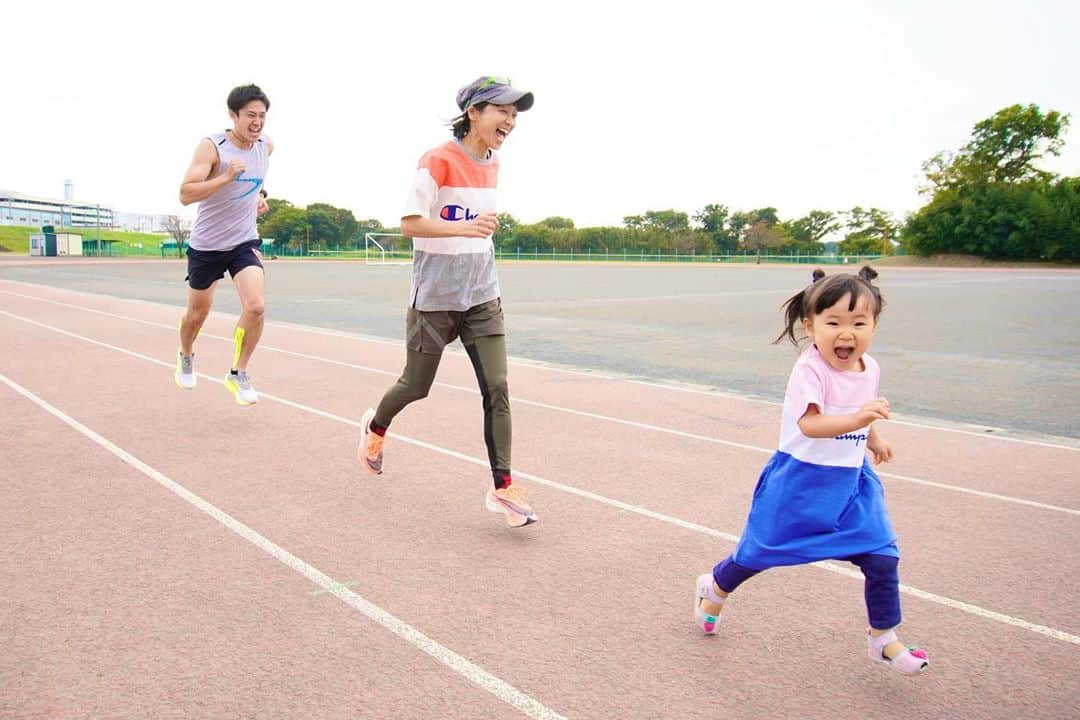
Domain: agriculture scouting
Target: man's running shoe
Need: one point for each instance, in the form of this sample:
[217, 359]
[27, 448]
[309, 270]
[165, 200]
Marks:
[240, 386]
[185, 370]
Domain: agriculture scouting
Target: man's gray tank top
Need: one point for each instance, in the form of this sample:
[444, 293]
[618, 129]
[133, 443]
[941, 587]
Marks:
[226, 219]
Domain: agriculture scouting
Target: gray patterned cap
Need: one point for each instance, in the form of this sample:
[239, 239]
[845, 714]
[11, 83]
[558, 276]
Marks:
[494, 90]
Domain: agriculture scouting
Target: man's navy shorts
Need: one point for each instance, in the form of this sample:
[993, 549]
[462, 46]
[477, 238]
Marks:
[205, 267]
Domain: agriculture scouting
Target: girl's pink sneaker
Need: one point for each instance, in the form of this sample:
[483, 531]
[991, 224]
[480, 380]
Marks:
[709, 624]
[911, 661]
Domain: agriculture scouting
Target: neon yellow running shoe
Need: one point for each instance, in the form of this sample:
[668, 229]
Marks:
[240, 386]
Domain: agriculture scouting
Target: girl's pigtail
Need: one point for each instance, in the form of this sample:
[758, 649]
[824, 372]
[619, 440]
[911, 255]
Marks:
[867, 274]
[794, 310]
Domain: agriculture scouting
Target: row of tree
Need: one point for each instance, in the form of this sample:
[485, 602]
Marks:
[298, 231]
[988, 198]
[316, 227]
[715, 229]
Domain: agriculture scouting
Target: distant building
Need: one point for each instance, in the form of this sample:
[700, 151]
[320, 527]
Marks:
[139, 222]
[19, 209]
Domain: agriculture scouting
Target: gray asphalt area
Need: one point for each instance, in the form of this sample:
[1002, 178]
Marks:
[994, 350]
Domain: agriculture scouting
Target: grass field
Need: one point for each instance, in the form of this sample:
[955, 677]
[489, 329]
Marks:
[16, 239]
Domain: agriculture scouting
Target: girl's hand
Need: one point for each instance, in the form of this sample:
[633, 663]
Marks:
[879, 448]
[876, 409]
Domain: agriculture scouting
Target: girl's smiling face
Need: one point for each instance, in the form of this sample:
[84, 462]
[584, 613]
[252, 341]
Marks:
[842, 333]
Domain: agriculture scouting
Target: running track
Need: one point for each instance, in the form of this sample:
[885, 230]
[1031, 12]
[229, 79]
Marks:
[169, 554]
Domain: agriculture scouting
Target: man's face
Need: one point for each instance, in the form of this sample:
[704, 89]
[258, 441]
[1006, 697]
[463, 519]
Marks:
[248, 123]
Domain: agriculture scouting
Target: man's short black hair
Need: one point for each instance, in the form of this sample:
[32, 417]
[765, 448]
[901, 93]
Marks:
[242, 95]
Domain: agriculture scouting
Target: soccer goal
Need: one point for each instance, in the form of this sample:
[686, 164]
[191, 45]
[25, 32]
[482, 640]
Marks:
[387, 249]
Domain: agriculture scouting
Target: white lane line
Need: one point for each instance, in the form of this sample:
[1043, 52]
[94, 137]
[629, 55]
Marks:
[474, 673]
[603, 418]
[675, 386]
[618, 504]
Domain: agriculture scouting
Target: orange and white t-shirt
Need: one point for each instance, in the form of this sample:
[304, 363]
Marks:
[453, 273]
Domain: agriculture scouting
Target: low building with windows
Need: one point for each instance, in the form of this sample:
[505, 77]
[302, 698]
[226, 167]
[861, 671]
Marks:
[19, 209]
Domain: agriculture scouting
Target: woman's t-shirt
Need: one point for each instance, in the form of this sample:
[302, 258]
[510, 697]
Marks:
[453, 273]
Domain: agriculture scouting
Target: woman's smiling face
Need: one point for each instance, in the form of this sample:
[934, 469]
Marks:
[492, 124]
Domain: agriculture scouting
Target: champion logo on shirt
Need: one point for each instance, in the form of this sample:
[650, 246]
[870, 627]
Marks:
[857, 437]
[456, 212]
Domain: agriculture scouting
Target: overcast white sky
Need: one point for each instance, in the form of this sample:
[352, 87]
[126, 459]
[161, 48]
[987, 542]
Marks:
[639, 105]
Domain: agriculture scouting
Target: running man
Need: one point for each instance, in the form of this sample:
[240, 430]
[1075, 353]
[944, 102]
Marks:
[226, 179]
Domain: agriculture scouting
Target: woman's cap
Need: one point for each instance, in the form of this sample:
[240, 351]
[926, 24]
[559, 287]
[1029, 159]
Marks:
[494, 90]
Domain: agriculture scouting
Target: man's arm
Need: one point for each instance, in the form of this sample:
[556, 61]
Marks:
[196, 186]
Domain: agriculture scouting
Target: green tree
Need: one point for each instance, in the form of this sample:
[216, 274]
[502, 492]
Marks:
[869, 232]
[1003, 148]
[1062, 230]
[505, 236]
[274, 204]
[661, 231]
[714, 221]
[1016, 221]
[507, 221]
[558, 223]
[336, 227]
[767, 215]
[324, 231]
[597, 239]
[1007, 145]
[762, 236]
[670, 221]
[738, 224]
[990, 199]
[533, 237]
[809, 231]
[287, 225]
